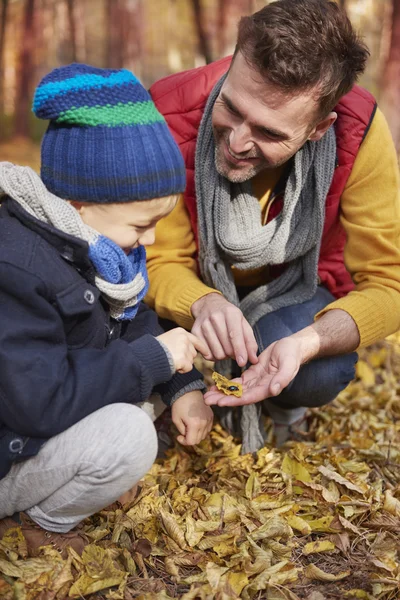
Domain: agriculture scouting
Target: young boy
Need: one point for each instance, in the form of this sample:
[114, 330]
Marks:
[79, 350]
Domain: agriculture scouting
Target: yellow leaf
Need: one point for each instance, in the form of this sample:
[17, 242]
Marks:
[214, 574]
[299, 524]
[172, 529]
[274, 527]
[192, 536]
[252, 486]
[378, 358]
[7, 568]
[314, 572]
[362, 594]
[322, 525]
[277, 593]
[330, 474]
[235, 582]
[294, 468]
[365, 373]
[86, 585]
[323, 546]
[171, 567]
[14, 541]
[391, 504]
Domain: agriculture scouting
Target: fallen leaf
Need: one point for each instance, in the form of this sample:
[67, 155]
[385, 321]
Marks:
[314, 572]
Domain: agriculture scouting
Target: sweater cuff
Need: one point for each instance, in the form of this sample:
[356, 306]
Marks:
[369, 315]
[172, 389]
[187, 298]
[150, 353]
[190, 387]
[169, 356]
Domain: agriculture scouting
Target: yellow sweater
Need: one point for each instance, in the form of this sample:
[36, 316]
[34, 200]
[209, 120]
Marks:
[370, 207]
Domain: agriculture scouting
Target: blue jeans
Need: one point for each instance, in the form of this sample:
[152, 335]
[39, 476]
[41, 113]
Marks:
[319, 381]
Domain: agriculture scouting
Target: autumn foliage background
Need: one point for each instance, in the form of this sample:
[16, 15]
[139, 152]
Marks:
[154, 38]
[316, 520]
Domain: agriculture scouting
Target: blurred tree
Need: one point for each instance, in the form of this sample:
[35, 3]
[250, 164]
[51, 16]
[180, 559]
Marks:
[25, 70]
[3, 22]
[72, 29]
[390, 98]
[204, 41]
[115, 39]
[223, 9]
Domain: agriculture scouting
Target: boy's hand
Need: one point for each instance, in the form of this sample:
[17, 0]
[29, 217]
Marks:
[183, 347]
[192, 418]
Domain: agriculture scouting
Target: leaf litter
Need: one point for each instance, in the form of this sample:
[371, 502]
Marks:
[316, 520]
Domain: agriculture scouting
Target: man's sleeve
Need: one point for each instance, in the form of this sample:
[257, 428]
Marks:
[371, 218]
[174, 281]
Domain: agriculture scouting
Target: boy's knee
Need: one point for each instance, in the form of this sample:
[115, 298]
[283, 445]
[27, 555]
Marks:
[131, 447]
[320, 381]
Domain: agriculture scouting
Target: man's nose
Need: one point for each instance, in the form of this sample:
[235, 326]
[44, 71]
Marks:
[240, 141]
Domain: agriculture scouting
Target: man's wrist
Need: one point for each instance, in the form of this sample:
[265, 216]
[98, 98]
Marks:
[309, 343]
[198, 305]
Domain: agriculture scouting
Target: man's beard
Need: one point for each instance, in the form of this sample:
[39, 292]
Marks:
[238, 175]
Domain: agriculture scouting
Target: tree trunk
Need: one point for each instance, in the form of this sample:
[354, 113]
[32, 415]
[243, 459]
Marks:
[72, 29]
[3, 23]
[204, 41]
[77, 31]
[390, 99]
[223, 10]
[115, 35]
[25, 71]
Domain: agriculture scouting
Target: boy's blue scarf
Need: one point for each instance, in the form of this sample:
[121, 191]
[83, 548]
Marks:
[116, 267]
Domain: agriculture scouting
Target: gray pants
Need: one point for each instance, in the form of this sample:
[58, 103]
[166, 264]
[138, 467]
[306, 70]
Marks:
[83, 469]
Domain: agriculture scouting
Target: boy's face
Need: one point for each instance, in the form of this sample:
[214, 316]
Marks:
[127, 224]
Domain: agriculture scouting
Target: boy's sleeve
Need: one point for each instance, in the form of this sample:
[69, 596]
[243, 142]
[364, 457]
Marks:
[171, 263]
[45, 387]
[181, 383]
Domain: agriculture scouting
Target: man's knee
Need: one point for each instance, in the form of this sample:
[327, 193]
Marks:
[320, 381]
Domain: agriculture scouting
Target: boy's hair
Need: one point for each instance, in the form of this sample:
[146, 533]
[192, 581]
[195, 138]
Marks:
[299, 45]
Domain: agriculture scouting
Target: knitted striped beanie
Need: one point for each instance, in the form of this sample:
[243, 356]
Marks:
[106, 141]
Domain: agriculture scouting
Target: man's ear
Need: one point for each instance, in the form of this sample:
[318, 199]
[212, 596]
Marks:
[322, 127]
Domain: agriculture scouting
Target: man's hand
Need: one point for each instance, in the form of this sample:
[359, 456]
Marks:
[277, 366]
[334, 333]
[224, 329]
[192, 418]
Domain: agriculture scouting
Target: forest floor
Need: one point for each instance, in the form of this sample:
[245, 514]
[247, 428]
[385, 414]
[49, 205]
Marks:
[318, 519]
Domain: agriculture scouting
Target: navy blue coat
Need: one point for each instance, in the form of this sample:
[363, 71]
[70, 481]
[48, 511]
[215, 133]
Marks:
[61, 355]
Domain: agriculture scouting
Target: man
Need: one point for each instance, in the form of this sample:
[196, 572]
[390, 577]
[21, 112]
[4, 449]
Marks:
[287, 238]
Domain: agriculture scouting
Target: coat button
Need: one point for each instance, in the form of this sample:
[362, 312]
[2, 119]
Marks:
[16, 445]
[89, 296]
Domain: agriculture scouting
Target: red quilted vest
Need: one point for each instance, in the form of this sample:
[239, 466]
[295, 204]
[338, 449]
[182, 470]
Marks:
[182, 97]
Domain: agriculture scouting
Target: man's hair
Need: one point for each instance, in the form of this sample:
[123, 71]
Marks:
[304, 44]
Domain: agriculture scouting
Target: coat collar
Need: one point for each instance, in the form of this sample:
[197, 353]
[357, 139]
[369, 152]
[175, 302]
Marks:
[71, 249]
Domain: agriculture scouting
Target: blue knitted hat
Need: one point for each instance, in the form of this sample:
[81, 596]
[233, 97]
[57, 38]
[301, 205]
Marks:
[106, 141]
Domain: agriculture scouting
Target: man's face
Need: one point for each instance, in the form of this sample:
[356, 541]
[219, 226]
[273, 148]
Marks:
[257, 126]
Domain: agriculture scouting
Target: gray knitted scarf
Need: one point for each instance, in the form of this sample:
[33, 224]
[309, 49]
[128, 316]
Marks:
[231, 234]
[128, 282]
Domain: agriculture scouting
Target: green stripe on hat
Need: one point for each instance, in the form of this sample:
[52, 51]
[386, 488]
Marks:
[129, 113]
